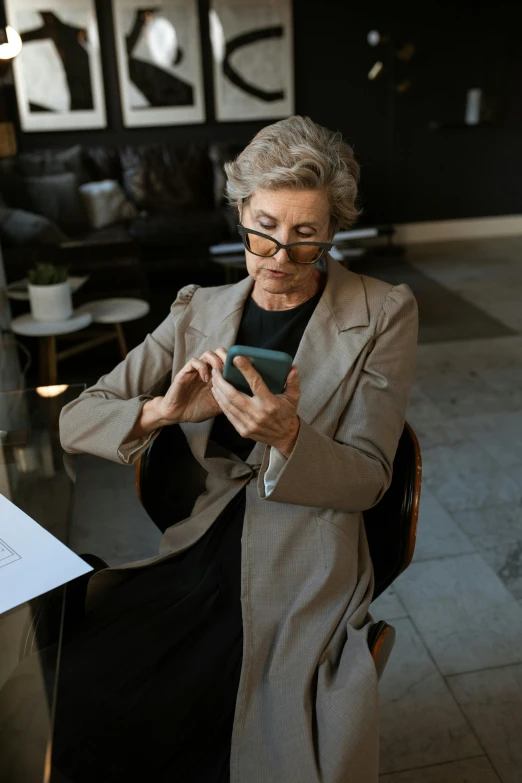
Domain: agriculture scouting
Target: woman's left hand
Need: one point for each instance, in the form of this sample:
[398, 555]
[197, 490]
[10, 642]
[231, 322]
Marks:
[265, 417]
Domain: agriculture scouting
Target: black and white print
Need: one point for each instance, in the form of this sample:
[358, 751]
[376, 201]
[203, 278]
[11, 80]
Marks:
[253, 58]
[58, 74]
[159, 62]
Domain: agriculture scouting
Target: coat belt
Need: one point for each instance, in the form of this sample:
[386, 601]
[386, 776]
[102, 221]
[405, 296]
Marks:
[231, 468]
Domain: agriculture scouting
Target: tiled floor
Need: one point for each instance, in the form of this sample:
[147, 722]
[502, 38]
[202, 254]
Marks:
[451, 695]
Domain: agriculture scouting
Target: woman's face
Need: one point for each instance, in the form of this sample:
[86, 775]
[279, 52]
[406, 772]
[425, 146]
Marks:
[288, 216]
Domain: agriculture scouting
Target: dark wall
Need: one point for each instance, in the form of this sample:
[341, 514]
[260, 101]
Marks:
[450, 173]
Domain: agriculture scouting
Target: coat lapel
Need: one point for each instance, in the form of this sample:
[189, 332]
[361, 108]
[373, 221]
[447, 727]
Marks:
[213, 326]
[326, 352]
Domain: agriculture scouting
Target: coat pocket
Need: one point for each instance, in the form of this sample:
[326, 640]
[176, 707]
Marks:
[339, 550]
[333, 527]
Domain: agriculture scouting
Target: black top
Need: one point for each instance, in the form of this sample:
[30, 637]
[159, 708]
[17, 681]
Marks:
[148, 684]
[278, 330]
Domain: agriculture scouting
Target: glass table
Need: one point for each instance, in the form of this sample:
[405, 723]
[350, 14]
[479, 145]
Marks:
[37, 476]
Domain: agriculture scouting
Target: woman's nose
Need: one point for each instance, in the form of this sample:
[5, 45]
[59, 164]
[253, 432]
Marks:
[281, 256]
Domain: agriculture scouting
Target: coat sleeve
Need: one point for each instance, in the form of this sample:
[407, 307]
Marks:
[99, 421]
[351, 471]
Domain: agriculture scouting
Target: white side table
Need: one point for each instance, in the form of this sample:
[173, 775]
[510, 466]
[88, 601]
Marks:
[47, 331]
[115, 312]
[103, 311]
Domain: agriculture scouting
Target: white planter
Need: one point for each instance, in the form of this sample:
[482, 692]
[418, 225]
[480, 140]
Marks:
[51, 302]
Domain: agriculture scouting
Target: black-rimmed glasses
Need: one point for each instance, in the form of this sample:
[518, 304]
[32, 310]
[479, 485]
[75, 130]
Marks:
[266, 246]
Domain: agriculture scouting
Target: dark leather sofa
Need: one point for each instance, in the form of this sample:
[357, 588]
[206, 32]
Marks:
[180, 209]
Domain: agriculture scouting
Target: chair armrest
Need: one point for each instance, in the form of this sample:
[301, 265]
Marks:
[381, 638]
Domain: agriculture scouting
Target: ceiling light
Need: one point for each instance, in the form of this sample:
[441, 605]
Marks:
[12, 46]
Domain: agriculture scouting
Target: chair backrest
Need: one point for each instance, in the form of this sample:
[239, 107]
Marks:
[391, 525]
[169, 479]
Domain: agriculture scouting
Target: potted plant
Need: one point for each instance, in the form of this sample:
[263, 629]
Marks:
[49, 293]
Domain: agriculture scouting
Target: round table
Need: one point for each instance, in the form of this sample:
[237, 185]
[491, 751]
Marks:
[47, 331]
[102, 311]
[116, 311]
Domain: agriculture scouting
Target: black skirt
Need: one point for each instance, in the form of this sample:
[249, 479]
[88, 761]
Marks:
[148, 684]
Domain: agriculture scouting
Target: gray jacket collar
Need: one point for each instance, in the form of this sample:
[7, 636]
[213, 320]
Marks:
[344, 296]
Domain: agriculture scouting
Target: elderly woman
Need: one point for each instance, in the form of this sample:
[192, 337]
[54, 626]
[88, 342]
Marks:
[240, 652]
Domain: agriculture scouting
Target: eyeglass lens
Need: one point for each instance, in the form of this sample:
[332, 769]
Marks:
[263, 246]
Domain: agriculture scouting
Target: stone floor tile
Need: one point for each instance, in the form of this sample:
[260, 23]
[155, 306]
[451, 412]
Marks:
[464, 476]
[491, 526]
[387, 607]
[465, 394]
[492, 703]
[506, 560]
[437, 534]
[431, 426]
[420, 721]
[499, 434]
[476, 770]
[463, 612]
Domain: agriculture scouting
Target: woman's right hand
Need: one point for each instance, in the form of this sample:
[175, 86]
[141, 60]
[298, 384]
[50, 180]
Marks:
[189, 397]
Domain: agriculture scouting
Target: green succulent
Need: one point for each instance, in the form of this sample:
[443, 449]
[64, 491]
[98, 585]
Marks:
[47, 274]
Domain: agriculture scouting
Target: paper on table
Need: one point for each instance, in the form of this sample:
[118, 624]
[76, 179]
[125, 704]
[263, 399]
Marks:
[32, 561]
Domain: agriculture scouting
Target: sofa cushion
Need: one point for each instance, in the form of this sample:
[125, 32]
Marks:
[103, 163]
[41, 163]
[105, 203]
[168, 177]
[18, 227]
[55, 196]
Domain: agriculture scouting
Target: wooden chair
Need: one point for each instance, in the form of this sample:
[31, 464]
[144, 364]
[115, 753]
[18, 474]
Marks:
[169, 479]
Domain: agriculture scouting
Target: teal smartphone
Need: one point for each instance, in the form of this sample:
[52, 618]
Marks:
[273, 367]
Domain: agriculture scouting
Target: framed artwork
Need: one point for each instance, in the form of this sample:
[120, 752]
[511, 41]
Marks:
[159, 62]
[252, 48]
[58, 74]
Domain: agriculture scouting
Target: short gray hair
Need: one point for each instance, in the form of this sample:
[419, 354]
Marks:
[298, 153]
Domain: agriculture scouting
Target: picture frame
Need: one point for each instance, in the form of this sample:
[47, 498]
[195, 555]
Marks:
[159, 62]
[253, 61]
[58, 74]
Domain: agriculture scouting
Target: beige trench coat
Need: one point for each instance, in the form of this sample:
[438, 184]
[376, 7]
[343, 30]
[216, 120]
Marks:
[307, 705]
